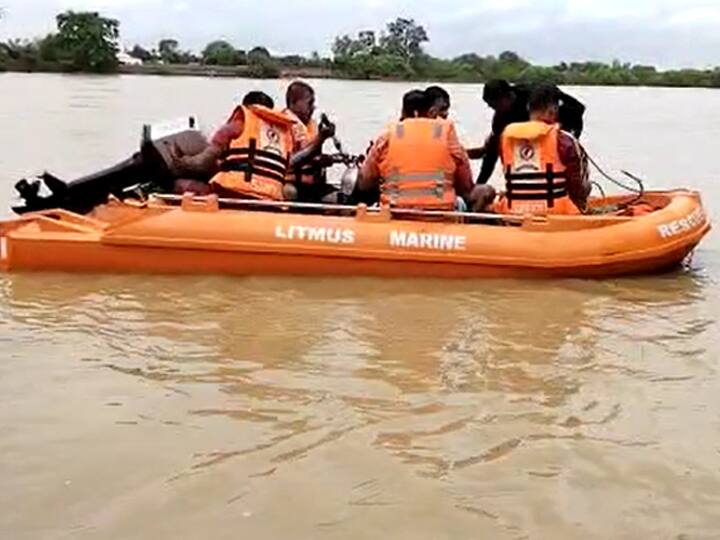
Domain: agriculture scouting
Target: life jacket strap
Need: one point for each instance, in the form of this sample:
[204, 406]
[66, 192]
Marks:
[536, 186]
[250, 161]
[252, 149]
[251, 165]
[251, 170]
[534, 176]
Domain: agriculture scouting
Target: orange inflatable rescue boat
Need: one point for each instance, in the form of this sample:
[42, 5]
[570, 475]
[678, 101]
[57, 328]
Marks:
[205, 235]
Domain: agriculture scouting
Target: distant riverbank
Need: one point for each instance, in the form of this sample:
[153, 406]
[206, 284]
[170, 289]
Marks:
[274, 71]
[261, 72]
[184, 70]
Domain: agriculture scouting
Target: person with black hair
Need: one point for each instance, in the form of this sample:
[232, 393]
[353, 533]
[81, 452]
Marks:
[418, 163]
[510, 103]
[416, 104]
[255, 97]
[251, 154]
[308, 178]
[440, 102]
[262, 172]
[544, 166]
[300, 106]
[195, 171]
[294, 127]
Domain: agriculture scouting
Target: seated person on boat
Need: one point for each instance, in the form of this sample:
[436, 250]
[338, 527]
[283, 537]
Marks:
[252, 153]
[194, 172]
[309, 178]
[418, 163]
[545, 170]
[510, 103]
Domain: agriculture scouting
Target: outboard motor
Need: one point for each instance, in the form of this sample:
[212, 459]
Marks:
[348, 181]
[153, 164]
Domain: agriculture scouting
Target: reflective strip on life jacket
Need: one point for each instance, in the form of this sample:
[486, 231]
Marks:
[437, 176]
[427, 190]
[436, 132]
[432, 184]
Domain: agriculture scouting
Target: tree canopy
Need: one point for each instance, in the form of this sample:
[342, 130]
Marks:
[168, 50]
[88, 40]
[396, 53]
[222, 53]
[403, 38]
[141, 53]
[259, 55]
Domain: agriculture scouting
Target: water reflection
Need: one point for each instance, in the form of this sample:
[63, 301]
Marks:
[309, 361]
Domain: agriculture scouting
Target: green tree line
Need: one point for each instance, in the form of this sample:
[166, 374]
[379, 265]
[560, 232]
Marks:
[398, 52]
[88, 42]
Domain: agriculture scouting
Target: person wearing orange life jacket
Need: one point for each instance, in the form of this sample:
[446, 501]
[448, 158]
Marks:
[544, 166]
[256, 162]
[308, 176]
[225, 163]
[419, 162]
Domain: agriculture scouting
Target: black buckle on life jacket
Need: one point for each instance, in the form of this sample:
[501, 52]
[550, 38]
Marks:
[525, 186]
[258, 164]
[260, 168]
[251, 160]
[550, 178]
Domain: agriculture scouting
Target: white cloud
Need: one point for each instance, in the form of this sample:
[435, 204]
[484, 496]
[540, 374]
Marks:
[667, 32]
[697, 17]
[592, 10]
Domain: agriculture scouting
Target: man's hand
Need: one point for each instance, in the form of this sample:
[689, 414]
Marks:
[479, 153]
[327, 130]
[203, 164]
[325, 161]
[476, 153]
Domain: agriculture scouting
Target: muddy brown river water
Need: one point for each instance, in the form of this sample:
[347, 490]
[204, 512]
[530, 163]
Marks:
[264, 408]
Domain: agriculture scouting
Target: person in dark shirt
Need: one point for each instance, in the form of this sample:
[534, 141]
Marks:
[510, 103]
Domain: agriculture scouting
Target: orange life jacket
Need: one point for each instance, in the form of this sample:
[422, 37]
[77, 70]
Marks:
[536, 181]
[312, 130]
[256, 163]
[310, 172]
[418, 170]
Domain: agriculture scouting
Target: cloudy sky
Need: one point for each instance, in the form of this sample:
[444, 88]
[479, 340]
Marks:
[668, 33]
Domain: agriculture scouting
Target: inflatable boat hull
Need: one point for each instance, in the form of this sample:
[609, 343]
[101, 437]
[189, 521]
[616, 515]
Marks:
[198, 238]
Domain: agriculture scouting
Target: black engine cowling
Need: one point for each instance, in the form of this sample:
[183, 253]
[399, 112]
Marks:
[152, 165]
